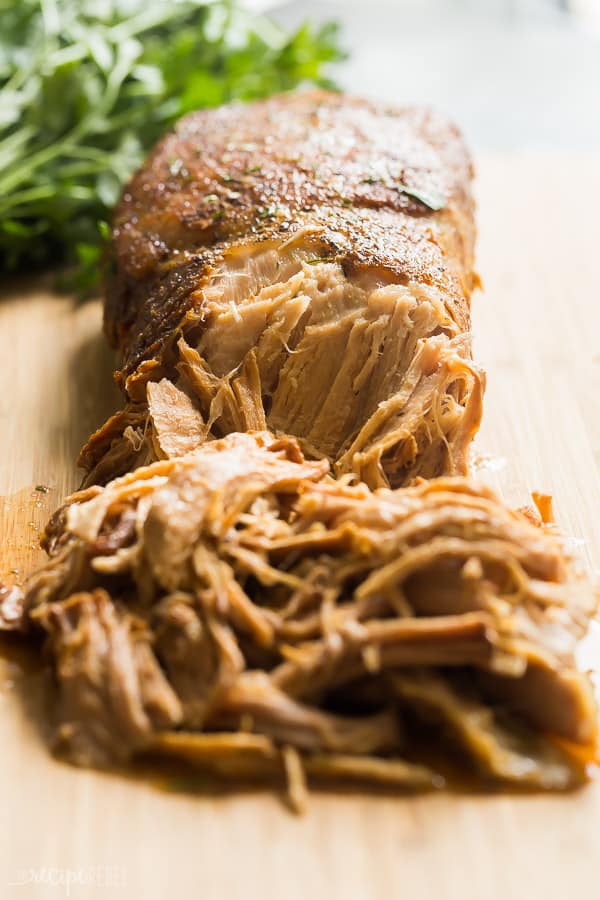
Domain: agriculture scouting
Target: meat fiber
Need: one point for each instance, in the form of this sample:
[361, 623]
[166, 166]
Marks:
[302, 264]
[238, 608]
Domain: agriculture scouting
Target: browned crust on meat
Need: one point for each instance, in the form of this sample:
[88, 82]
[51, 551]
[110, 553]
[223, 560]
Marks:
[242, 174]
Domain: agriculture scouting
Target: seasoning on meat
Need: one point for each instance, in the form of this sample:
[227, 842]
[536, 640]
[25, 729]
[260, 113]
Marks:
[306, 267]
[238, 608]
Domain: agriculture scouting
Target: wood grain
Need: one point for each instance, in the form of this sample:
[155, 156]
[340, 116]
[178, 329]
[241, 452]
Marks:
[537, 329]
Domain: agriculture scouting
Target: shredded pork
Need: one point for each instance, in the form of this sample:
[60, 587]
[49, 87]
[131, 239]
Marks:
[238, 608]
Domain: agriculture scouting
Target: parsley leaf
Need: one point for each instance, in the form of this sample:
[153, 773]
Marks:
[431, 199]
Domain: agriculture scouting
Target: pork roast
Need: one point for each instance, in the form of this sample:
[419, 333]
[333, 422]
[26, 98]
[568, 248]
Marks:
[290, 298]
[304, 264]
[239, 608]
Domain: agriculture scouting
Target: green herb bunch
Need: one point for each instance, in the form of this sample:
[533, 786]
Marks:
[87, 86]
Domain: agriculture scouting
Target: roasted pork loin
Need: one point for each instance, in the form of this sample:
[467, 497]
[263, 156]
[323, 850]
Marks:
[302, 264]
[290, 299]
[239, 608]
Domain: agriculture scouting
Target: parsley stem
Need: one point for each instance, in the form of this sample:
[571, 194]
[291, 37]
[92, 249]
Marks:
[25, 169]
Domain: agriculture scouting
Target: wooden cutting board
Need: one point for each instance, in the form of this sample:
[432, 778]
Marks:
[89, 835]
